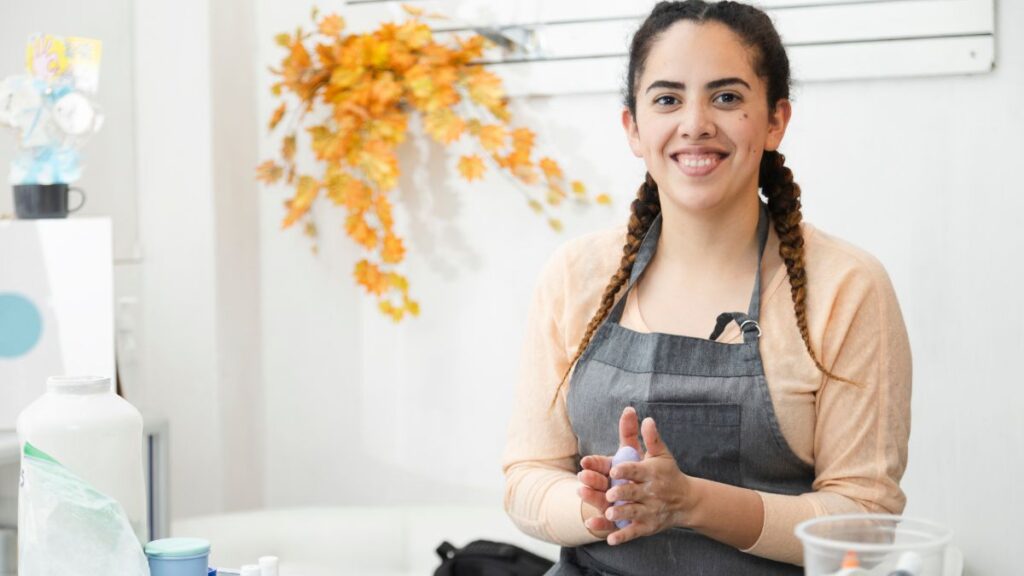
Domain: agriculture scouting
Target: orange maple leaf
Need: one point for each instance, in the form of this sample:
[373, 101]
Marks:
[275, 119]
[550, 168]
[305, 192]
[332, 25]
[444, 125]
[379, 53]
[398, 282]
[326, 144]
[384, 94]
[471, 167]
[348, 191]
[359, 230]
[485, 88]
[380, 163]
[288, 148]
[414, 34]
[492, 137]
[402, 58]
[393, 251]
[297, 61]
[368, 275]
[382, 206]
[391, 310]
[470, 48]
[412, 306]
[269, 172]
[522, 139]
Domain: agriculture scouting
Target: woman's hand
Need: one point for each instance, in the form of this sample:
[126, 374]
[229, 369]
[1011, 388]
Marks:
[594, 476]
[660, 496]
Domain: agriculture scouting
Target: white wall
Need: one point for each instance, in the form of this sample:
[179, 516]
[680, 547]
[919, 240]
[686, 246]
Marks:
[178, 334]
[925, 174]
[235, 132]
[199, 295]
[921, 172]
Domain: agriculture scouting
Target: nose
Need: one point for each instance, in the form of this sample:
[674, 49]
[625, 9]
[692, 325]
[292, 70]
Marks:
[696, 122]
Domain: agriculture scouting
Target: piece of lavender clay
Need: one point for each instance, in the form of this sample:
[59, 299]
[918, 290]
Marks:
[625, 454]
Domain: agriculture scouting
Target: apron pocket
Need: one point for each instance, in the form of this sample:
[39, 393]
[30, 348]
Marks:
[704, 438]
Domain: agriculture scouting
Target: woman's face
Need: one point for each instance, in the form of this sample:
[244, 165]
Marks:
[702, 121]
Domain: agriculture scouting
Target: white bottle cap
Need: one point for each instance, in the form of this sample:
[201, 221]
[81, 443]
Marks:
[268, 565]
[910, 562]
[250, 570]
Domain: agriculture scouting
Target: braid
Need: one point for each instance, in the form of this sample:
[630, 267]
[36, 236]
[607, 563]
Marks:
[643, 211]
[784, 205]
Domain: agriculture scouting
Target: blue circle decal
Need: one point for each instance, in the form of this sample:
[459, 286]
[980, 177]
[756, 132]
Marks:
[21, 325]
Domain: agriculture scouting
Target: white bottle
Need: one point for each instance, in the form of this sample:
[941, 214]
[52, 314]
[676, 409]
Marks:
[95, 434]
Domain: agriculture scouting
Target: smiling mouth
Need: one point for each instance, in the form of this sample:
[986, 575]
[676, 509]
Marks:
[698, 164]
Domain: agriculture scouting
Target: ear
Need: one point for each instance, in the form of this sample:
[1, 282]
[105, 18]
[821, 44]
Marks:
[777, 123]
[632, 133]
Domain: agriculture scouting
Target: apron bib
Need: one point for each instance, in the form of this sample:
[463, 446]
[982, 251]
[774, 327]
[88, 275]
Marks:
[712, 406]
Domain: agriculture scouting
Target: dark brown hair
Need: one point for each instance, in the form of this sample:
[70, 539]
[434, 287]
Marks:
[771, 64]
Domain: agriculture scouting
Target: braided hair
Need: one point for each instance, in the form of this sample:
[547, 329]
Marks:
[775, 179]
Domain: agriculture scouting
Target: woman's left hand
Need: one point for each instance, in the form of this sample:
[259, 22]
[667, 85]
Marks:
[660, 495]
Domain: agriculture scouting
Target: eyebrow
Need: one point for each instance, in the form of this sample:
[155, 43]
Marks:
[710, 85]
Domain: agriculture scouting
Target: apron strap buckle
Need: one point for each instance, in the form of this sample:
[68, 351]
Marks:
[754, 323]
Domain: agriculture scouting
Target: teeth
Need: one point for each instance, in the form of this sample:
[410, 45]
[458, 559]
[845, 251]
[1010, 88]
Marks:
[697, 161]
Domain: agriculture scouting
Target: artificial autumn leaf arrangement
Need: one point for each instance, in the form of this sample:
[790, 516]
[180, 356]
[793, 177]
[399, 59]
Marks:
[370, 84]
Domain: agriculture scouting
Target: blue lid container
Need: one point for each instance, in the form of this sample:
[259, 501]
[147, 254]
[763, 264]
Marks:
[178, 557]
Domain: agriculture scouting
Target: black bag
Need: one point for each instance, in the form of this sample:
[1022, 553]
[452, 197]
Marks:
[485, 558]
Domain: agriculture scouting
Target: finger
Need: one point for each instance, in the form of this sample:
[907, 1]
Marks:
[629, 429]
[593, 497]
[599, 464]
[593, 480]
[625, 511]
[655, 446]
[599, 524]
[629, 492]
[634, 471]
[635, 530]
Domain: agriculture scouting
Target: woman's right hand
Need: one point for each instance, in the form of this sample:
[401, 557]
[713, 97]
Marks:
[594, 476]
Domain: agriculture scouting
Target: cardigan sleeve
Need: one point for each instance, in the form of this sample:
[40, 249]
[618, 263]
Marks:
[861, 430]
[540, 459]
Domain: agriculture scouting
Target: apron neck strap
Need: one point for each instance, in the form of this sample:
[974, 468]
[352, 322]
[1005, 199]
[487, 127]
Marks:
[748, 321]
[643, 257]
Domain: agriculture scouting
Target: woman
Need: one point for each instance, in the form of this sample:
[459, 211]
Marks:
[795, 406]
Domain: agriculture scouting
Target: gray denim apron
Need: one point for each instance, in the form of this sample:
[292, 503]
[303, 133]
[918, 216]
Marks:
[711, 403]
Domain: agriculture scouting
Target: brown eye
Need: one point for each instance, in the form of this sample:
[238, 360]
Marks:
[730, 98]
[660, 100]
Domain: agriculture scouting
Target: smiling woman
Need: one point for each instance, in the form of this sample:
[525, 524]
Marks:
[797, 403]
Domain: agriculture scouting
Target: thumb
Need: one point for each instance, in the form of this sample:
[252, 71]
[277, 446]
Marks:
[655, 446]
[628, 426]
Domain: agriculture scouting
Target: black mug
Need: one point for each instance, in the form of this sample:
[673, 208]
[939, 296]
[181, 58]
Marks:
[32, 201]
